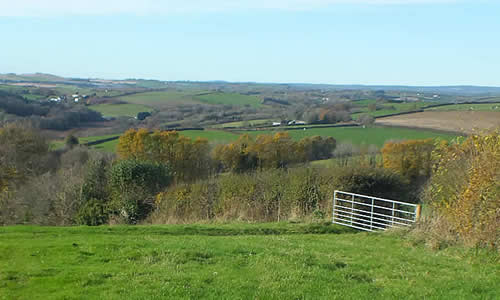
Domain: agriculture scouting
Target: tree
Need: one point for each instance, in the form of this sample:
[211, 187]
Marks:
[366, 119]
[412, 159]
[71, 141]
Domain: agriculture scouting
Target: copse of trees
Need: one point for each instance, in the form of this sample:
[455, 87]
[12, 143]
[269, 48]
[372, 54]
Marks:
[46, 115]
[271, 151]
[188, 159]
[412, 158]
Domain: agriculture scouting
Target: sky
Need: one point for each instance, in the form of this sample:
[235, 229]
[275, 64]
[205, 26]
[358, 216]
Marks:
[373, 42]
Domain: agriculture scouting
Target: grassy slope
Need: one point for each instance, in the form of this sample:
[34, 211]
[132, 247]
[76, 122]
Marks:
[211, 135]
[369, 136]
[262, 122]
[357, 135]
[264, 261]
[115, 110]
[229, 99]
[389, 108]
[157, 99]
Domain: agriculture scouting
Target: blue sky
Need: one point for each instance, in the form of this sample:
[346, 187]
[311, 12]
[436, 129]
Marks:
[415, 42]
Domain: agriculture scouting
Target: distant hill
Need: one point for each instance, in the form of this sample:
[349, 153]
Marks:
[465, 90]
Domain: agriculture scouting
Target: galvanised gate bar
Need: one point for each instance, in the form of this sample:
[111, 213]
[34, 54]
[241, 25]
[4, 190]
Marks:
[371, 213]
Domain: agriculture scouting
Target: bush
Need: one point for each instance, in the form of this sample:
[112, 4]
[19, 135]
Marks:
[272, 195]
[134, 184]
[465, 188]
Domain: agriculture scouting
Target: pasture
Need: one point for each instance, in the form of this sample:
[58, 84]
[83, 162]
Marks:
[159, 99]
[235, 261]
[355, 135]
[229, 99]
[453, 121]
[358, 135]
[117, 110]
[263, 122]
[386, 108]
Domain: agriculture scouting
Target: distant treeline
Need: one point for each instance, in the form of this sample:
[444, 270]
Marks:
[47, 115]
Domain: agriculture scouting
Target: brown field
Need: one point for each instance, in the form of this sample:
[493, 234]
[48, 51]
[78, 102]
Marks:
[34, 84]
[454, 121]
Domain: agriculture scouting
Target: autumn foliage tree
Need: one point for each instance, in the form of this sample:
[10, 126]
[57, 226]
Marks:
[412, 158]
[272, 151]
[465, 188]
[188, 159]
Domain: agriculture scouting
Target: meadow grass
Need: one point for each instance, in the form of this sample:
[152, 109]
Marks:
[160, 98]
[214, 136]
[261, 122]
[355, 135]
[229, 99]
[116, 110]
[235, 261]
[358, 135]
[387, 108]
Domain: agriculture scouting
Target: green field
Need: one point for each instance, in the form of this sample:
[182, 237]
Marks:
[214, 136]
[235, 261]
[468, 107]
[387, 108]
[117, 110]
[158, 99]
[358, 135]
[229, 99]
[264, 122]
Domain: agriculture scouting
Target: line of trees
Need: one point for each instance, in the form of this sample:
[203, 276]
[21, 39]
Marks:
[272, 151]
[46, 115]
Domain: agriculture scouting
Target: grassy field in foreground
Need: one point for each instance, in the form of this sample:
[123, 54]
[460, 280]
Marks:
[369, 136]
[234, 261]
[116, 110]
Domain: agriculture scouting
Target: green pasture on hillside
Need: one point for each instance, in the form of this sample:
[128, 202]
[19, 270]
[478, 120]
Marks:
[229, 99]
[117, 110]
[358, 135]
[263, 122]
[387, 108]
[160, 98]
[214, 136]
[235, 261]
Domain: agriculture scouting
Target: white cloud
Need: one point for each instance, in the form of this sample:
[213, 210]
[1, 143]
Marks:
[151, 7]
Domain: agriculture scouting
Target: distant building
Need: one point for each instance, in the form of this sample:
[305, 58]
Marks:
[295, 122]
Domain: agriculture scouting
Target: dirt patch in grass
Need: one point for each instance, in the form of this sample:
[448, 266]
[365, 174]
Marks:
[454, 121]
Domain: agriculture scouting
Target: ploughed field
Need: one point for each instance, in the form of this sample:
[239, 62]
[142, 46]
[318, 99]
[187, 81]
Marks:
[235, 261]
[456, 121]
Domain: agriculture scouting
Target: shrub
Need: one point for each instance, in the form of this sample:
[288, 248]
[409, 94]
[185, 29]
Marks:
[465, 188]
[134, 184]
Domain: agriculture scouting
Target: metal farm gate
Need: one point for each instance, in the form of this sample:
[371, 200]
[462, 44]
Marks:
[372, 213]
